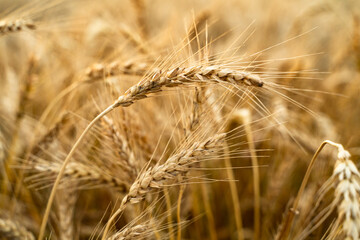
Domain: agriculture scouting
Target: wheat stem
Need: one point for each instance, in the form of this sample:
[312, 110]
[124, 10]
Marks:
[256, 175]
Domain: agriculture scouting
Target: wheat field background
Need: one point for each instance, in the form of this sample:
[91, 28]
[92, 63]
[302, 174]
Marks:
[150, 119]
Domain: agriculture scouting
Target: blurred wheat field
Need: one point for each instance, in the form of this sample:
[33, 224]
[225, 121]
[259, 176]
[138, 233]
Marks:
[139, 119]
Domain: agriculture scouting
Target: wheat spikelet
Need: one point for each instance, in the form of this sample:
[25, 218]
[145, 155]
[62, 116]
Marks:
[140, 9]
[12, 230]
[16, 26]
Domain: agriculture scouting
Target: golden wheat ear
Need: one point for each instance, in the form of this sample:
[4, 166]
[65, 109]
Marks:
[18, 25]
[135, 232]
[161, 175]
[10, 229]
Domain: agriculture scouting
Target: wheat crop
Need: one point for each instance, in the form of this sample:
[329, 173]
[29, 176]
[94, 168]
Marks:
[139, 119]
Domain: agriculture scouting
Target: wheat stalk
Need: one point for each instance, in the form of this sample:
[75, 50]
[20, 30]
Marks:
[66, 200]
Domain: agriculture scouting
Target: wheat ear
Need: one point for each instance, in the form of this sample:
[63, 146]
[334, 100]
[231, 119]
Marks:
[171, 78]
[347, 195]
[13, 230]
[16, 26]
[155, 177]
[66, 200]
[130, 233]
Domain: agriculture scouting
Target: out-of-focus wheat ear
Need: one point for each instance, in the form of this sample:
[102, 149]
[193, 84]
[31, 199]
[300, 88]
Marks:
[35, 150]
[347, 197]
[135, 39]
[161, 175]
[130, 233]
[76, 173]
[17, 25]
[171, 78]
[101, 70]
[66, 200]
[94, 73]
[10, 229]
[140, 10]
[127, 156]
[50, 136]
[24, 99]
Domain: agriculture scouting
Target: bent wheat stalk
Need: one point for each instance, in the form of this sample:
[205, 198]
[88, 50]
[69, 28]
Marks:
[171, 78]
